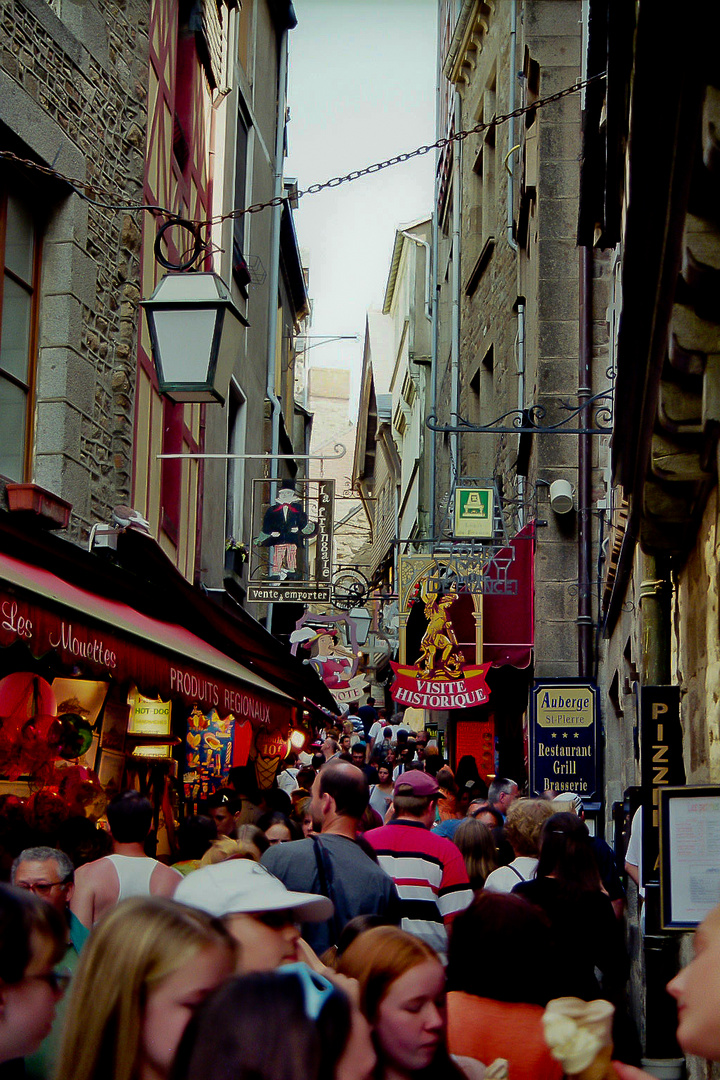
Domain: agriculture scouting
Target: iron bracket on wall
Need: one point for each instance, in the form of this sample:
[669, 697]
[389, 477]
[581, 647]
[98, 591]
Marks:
[529, 421]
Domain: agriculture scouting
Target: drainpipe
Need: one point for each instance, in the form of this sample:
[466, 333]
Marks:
[455, 344]
[435, 328]
[584, 616]
[434, 333]
[275, 264]
[509, 159]
[521, 397]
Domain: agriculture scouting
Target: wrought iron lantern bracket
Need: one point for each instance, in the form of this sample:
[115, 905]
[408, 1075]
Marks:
[530, 421]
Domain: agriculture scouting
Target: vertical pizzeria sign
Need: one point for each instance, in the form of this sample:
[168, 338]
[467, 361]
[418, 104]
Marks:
[563, 737]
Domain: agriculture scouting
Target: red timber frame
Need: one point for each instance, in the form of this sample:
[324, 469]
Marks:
[169, 493]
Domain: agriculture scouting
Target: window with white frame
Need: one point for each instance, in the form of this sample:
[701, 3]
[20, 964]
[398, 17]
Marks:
[19, 249]
[235, 501]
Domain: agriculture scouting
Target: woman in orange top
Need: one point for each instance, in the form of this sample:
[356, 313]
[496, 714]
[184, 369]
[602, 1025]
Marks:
[498, 961]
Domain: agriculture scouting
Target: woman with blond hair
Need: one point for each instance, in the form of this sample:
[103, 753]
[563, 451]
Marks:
[402, 994]
[523, 827]
[143, 971]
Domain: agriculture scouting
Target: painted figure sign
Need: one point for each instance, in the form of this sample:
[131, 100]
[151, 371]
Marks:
[474, 512]
[291, 552]
[328, 643]
[440, 677]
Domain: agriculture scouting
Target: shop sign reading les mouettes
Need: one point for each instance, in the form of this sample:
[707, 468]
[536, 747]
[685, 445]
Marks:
[105, 651]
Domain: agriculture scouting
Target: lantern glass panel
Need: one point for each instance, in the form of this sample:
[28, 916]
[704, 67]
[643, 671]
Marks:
[185, 339]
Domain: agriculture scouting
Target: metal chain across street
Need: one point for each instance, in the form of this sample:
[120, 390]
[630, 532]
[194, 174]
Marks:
[88, 191]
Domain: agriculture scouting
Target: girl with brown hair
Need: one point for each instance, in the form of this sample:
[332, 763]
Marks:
[402, 994]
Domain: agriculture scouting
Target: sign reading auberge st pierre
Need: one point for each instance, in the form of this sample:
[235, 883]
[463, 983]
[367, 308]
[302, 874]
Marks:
[563, 737]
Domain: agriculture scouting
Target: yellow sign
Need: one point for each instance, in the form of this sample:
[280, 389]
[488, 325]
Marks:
[163, 751]
[149, 717]
[474, 512]
[565, 707]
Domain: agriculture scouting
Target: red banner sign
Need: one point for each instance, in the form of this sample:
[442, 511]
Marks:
[410, 688]
[103, 653]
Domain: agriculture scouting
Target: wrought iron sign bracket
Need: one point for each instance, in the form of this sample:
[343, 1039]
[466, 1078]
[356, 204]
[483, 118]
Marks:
[529, 421]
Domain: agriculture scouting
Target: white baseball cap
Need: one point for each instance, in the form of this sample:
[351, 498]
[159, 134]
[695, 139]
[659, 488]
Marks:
[571, 798]
[242, 886]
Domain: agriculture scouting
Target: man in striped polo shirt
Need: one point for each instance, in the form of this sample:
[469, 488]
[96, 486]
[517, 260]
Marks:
[428, 871]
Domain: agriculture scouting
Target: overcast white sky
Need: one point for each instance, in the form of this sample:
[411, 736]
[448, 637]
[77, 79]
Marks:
[362, 88]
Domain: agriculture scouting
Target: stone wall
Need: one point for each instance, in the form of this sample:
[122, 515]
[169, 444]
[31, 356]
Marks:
[696, 651]
[73, 96]
[537, 272]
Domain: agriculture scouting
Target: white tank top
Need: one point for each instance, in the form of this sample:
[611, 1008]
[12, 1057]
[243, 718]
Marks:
[134, 873]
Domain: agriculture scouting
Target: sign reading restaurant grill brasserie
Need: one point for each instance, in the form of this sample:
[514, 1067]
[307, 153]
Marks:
[563, 737]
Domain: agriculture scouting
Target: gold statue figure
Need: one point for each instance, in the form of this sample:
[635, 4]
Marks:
[440, 654]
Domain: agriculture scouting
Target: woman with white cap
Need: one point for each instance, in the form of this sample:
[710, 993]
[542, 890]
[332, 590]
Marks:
[260, 913]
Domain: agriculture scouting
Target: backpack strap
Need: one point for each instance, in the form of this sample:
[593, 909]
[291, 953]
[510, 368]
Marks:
[325, 877]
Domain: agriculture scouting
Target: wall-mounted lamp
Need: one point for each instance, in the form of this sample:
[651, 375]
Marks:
[561, 496]
[297, 739]
[193, 321]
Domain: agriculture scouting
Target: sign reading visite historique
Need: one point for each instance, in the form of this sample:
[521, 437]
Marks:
[563, 737]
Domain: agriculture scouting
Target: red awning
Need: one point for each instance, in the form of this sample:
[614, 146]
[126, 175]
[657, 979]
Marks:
[508, 617]
[111, 640]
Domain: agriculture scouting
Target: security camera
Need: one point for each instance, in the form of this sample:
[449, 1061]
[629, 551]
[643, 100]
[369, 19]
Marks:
[561, 496]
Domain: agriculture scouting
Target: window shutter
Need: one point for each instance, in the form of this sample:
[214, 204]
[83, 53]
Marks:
[213, 30]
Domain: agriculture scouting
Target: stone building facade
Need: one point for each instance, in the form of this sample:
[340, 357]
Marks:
[73, 85]
[508, 262]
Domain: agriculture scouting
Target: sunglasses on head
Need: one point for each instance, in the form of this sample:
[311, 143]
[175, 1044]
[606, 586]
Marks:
[316, 988]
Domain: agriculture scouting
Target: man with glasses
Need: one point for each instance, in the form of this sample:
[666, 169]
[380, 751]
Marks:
[48, 873]
[421, 741]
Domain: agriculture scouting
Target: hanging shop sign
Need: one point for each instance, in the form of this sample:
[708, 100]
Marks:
[291, 552]
[328, 643]
[468, 689]
[474, 509]
[149, 717]
[463, 573]
[441, 638]
[215, 681]
[661, 764]
[563, 737]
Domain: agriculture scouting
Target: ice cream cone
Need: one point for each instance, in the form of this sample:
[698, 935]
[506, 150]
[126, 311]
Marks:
[579, 1035]
[265, 769]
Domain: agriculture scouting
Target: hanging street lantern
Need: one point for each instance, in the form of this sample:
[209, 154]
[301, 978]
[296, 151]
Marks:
[362, 619]
[194, 327]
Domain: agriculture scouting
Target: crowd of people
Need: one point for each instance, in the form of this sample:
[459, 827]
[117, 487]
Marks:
[374, 914]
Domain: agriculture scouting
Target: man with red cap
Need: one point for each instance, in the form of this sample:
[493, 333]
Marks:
[428, 870]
